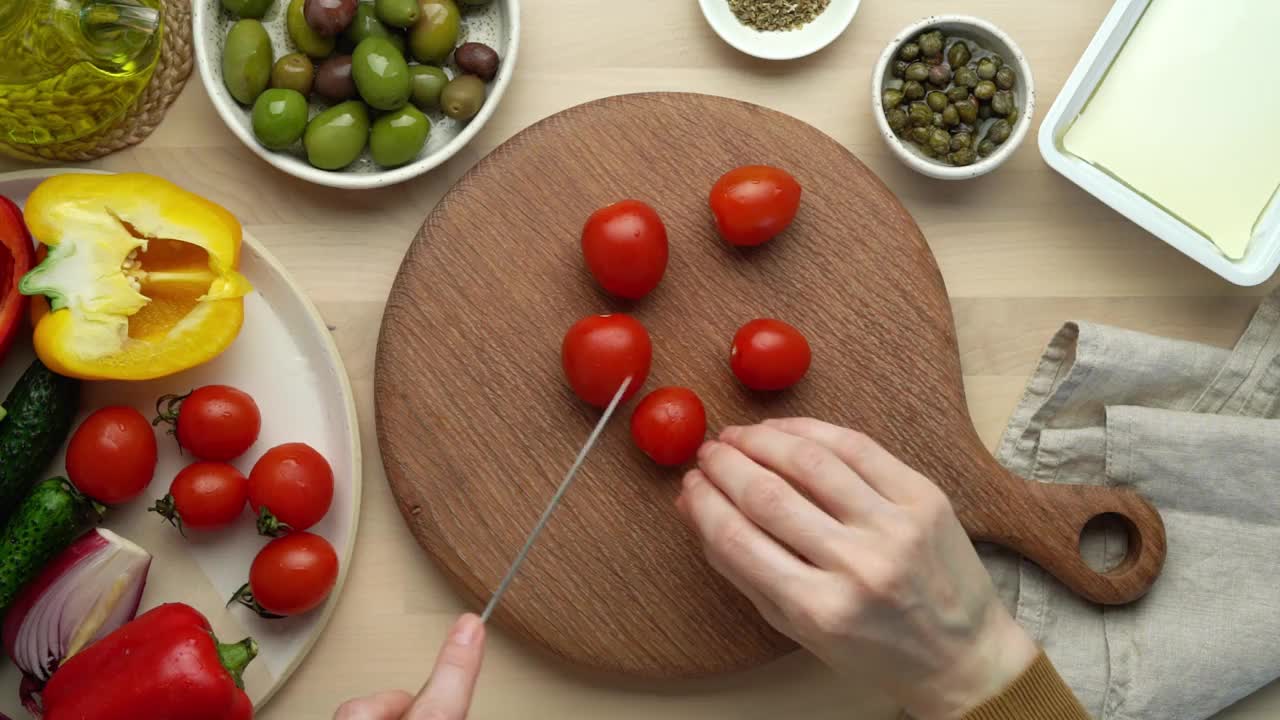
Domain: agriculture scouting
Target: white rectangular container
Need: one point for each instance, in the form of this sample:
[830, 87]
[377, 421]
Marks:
[1263, 256]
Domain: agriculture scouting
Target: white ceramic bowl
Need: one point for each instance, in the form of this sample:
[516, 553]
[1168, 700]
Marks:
[986, 35]
[782, 44]
[496, 25]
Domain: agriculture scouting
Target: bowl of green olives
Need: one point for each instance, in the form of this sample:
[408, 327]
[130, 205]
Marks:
[953, 96]
[356, 93]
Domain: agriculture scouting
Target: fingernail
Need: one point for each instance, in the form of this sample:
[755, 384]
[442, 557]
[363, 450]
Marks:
[730, 432]
[688, 481]
[706, 449]
[465, 630]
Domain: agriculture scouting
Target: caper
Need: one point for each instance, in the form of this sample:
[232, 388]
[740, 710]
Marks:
[959, 54]
[909, 52]
[936, 100]
[962, 157]
[957, 93]
[1002, 103]
[961, 141]
[919, 114]
[939, 141]
[934, 60]
[997, 61]
[892, 98]
[912, 90]
[931, 44]
[918, 72]
[1006, 77]
[999, 131]
[899, 68]
[897, 118]
[985, 148]
[966, 76]
[939, 76]
[968, 111]
[937, 120]
[984, 111]
[950, 116]
[921, 135]
[985, 90]
[986, 69]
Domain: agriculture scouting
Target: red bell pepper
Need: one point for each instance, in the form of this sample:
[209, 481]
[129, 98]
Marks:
[16, 258]
[165, 665]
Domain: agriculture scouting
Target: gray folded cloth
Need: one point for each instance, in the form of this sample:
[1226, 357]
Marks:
[1194, 429]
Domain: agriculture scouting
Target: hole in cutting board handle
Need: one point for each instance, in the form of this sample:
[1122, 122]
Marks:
[1099, 538]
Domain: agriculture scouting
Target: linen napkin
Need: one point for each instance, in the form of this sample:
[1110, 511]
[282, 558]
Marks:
[1194, 429]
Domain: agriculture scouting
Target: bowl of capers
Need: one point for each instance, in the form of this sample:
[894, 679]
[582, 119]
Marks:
[953, 96]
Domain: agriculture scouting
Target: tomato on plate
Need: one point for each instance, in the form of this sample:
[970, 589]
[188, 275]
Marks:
[601, 351]
[205, 496]
[214, 422]
[290, 575]
[769, 354]
[754, 203]
[112, 455]
[669, 425]
[625, 246]
[294, 485]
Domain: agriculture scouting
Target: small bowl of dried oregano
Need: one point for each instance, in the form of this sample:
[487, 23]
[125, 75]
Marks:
[779, 29]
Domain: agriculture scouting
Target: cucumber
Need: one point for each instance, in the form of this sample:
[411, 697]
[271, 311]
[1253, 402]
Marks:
[39, 412]
[48, 519]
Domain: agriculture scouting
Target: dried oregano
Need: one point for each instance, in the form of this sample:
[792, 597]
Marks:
[777, 14]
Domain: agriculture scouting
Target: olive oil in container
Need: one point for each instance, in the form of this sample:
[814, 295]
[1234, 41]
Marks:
[70, 67]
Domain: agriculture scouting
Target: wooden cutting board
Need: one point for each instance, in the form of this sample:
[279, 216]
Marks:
[477, 425]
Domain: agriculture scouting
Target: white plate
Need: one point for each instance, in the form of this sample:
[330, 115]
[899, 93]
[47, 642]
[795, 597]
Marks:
[1263, 256]
[496, 25]
[286, 359]
[781, 44]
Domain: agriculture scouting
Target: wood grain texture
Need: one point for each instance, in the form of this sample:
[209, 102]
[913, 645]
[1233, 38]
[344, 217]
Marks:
[477, 425]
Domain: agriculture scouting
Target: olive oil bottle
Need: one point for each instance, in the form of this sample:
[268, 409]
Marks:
[70, 67]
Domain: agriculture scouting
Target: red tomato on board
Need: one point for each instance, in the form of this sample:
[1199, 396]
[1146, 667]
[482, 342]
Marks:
[769, 355]
[754, 203]
[601, 351]
[669, 425]
[294, 482]
[112, 455]
[625, 246]
[293, 574]
[216, 422]
[207, 495]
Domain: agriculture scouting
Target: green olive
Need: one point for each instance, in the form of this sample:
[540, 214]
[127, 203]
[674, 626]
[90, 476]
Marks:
[931, 43]
[462, 97]
[336, 137]
[366, 24]
[899, 68]
[1002, 103]
[999, 131]
[279, 117]
[913, 90]
[950, 116]
[958, 56]
[966, 76]
[962, 157]
[985, 148]
[434, 36]
[909, 52]
[985, 90]
[917, 71]
[380, 73]
[897, 119]
[307, 40]
[398, 136]
[1005, 78]
[398, 13]
[968, 111]
[248, 8]
[936, 100]
[961, 141]
[986, 69]
[892, 98]
[246, 61]
[919, 114]
[426, 82]
[294, 72]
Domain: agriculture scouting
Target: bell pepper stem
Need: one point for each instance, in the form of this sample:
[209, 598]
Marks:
[235, 657]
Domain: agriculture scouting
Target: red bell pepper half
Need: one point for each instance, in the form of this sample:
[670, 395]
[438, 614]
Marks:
[164, 665]
[16, 258]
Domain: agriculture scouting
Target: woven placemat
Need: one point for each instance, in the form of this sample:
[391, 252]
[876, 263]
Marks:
[170, 76]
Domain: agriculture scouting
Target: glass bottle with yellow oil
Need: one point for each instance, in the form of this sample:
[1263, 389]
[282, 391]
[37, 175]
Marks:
[70, 67]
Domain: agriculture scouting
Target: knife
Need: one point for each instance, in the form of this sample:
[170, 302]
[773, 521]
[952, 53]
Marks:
[555, 501]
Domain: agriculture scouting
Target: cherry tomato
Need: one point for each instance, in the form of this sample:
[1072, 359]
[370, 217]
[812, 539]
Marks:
[754, 203]
[669, 424]
[205, 496]
[294, 483]
[600, 351]
[112, 455]
[293, 574]
[625, 246]
[769, 355]
[214, 422]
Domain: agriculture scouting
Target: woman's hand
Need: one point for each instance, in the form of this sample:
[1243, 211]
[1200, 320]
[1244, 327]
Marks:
[858, 558]
[447, 694]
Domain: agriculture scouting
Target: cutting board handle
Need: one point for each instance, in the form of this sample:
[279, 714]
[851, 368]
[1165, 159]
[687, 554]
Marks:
[1051, 538]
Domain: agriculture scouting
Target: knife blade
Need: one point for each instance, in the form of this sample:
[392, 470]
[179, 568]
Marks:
[555, 501]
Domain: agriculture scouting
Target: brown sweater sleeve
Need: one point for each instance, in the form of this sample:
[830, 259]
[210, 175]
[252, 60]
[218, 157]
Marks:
[1038, 694]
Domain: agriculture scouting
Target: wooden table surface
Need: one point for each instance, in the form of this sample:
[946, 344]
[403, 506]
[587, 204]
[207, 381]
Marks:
[1021, 250]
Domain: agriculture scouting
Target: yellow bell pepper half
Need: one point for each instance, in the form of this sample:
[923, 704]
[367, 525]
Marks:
[140, 275]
